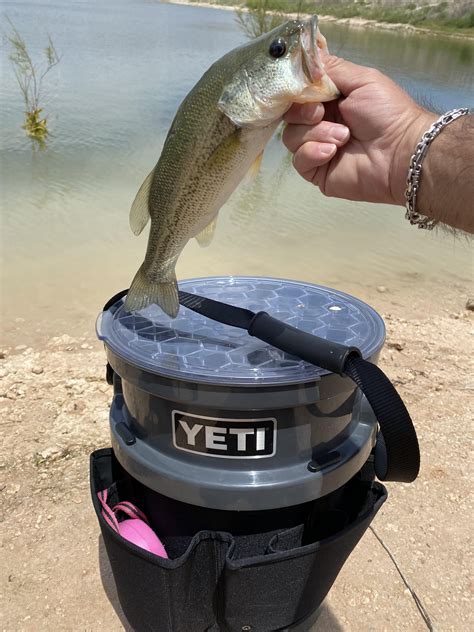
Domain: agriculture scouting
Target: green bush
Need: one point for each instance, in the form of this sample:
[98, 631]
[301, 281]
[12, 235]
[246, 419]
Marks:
[29, 76]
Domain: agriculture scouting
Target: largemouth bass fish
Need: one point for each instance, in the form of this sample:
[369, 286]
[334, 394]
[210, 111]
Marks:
[218, 133]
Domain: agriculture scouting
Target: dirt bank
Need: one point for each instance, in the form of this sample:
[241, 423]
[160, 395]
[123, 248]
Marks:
[54, 408]
[356, 22]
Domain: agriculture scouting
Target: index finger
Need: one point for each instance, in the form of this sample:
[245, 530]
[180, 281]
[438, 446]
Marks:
[305, 114]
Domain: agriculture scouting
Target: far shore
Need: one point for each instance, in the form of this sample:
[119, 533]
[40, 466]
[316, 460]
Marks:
[352, 22]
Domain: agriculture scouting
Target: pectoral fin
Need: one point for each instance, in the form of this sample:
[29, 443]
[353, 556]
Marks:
[204, 238]
[257, 163]
[139, 213]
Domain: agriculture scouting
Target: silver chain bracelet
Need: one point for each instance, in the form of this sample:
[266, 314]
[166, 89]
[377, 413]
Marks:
[416, 167]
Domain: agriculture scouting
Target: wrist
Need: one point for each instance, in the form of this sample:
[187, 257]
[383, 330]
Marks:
[447, 168]
[412, 131]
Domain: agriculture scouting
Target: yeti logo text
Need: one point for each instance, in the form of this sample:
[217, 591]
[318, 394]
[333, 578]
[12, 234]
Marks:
[224, 437]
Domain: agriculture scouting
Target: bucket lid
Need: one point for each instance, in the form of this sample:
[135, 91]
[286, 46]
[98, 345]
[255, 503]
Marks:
[194, 348]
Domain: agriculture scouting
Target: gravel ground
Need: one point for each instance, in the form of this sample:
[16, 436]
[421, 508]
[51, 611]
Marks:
[54, 403]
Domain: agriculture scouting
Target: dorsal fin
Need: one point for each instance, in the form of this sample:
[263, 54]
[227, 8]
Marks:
[139, 213]
[204, 238]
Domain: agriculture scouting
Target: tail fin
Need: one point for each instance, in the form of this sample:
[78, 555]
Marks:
[143, 292]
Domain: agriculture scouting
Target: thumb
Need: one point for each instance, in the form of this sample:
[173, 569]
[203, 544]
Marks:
[346, 75]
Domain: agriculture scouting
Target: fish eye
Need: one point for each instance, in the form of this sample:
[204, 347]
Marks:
[278, 48]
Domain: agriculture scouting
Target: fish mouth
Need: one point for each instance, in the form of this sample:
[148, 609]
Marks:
[312, 43]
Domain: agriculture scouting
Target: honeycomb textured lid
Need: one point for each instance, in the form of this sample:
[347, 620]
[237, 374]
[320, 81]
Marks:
[194, 348]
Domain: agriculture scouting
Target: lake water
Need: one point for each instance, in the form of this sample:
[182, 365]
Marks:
[126, 65]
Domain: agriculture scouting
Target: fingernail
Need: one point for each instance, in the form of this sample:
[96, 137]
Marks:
[327, 149]
[339, 132]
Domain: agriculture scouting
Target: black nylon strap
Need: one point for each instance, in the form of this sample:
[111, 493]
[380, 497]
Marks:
[397, 455]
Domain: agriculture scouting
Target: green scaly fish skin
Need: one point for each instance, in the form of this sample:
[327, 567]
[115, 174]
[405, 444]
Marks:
[219, 131]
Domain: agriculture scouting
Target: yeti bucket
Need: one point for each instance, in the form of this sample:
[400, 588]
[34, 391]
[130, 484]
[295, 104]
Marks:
[254, 467]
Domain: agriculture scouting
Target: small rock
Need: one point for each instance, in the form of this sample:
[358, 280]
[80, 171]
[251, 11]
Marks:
[399, 346]
[64, 340]
[3, 354]
[47, 453]
[37, 370]
[3, 372]
[382, 289]
[20, 347]
[84, 345]
[470, 304]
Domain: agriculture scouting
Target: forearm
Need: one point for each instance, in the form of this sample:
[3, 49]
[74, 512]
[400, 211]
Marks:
[446, 191]
[447, 183]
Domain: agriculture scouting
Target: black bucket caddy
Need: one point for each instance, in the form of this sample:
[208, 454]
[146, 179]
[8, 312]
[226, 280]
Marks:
[251, 442]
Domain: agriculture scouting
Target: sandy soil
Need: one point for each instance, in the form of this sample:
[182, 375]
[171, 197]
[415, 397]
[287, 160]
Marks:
[54, 408]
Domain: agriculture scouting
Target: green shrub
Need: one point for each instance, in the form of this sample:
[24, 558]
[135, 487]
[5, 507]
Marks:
[29, 76]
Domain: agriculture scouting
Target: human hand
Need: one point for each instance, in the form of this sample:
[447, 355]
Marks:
[358, 147]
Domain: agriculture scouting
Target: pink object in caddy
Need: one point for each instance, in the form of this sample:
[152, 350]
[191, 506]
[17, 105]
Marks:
[135, 529]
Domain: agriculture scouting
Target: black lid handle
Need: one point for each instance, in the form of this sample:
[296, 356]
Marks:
[326, 354]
